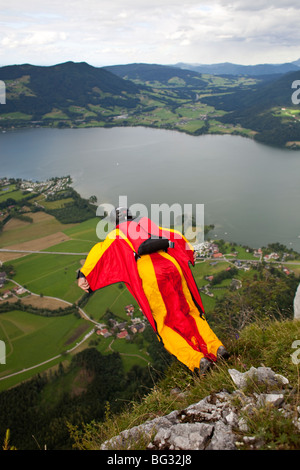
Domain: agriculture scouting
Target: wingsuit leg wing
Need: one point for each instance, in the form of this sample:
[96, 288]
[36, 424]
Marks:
[183, 332]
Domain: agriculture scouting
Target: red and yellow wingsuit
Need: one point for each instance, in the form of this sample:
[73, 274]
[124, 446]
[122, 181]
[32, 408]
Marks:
[161, 282]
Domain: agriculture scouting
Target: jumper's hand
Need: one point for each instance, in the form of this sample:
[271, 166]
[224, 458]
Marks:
[83, 284]
[195, 256]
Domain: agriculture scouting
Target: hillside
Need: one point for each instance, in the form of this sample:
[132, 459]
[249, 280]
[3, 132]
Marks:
[267, 109]
[155, 74]
[237, 69]
[152, 95]
[60, 91]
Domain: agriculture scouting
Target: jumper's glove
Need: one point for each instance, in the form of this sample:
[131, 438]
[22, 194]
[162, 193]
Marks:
[82, 282]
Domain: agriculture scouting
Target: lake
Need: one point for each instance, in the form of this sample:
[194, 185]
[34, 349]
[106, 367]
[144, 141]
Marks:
[250, 192]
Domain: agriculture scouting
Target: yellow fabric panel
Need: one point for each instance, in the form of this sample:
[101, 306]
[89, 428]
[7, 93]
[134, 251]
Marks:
[92, 258]
[211, 340]
[180, 236]
[176, 345]
[151, 289]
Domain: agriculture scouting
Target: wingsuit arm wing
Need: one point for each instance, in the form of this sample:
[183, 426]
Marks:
[113, 261]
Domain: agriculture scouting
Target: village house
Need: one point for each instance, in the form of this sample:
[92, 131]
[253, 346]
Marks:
[271, 256]
[6, 294]
[121, 326]
[103, 332]
[19, 290]
[123, 334]
[129, 309]
[2, 279]
[137, 328]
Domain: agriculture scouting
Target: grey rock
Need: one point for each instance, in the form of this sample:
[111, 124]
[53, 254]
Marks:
[184, 437]
[209, 424]
[297, 304]
[275, 399]
[263, 375]
[223, 438]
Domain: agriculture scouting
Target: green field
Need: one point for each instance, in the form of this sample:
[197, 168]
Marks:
[10, 192]
[51, 275]
[113, 298]
[31, 339]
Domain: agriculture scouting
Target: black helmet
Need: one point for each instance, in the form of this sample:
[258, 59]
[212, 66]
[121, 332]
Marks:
[120, 214]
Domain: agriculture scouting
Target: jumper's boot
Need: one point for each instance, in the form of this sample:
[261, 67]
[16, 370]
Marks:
[222, 353]
[205, 365]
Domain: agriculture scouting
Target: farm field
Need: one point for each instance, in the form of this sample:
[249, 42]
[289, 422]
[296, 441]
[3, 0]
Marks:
[113, 298]
[17, 231]
[31, 339]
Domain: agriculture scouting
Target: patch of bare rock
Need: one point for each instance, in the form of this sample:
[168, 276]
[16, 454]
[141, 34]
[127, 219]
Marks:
[214, 423]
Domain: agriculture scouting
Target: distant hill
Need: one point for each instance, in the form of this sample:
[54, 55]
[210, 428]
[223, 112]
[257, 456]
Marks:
[265, 95]
[36, 90]
[262, 110]
[151, 73]
[227, 68]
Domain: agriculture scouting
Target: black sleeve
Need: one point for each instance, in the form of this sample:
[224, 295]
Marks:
[79, 274]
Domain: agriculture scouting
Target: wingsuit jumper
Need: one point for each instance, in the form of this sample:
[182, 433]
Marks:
[154, 263]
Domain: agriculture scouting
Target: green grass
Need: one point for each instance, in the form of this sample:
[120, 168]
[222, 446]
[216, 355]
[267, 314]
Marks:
[31, 339]
[131, 355]
[12, 193]
[52, 275]
[112, 298]
[43, 225]
[202, 269]
[56, 114]
[16, 116]
[72, 246]
[84, 231]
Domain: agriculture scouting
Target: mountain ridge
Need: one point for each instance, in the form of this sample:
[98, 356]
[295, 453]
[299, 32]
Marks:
[151, 95]
[229, 68]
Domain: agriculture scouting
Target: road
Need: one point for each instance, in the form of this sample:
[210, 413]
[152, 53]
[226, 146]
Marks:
[6, 250]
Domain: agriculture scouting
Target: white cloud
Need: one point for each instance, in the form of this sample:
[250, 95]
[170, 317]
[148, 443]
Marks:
[104, 32]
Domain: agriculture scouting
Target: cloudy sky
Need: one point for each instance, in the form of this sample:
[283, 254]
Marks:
[107, 32]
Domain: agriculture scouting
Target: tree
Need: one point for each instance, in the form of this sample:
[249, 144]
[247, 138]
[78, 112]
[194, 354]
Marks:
[93, 199]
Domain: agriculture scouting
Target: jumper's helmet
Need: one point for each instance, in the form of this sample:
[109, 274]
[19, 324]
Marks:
[120, 214]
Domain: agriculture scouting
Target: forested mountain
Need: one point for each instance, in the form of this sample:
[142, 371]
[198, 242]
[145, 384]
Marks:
[260, 109]
[265, 95]
[151, 73]
[79, 95]
[36, 90]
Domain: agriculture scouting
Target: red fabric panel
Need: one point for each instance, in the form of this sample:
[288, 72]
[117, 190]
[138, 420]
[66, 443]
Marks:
[117, 264]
